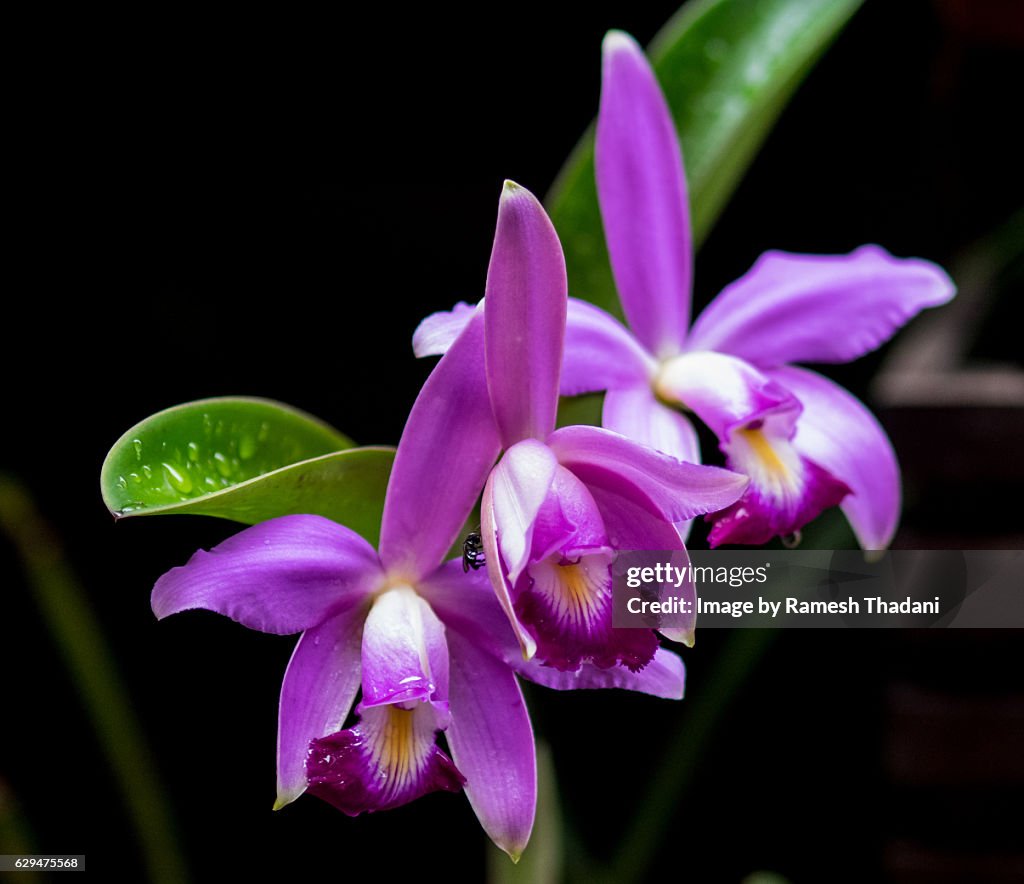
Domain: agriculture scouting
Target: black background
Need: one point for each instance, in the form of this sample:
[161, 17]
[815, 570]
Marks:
[267, 206]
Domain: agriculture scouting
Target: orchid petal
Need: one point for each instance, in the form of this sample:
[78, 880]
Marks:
[819, 308]
[280, 576]
[637, 415]
[521, 482]
[512, 498]
[632, 527]
[404, 653]
[726, 392]
[642, 191]
[388, 759]
[448, 446]
[435, 334]
[524, 318]
[656, 482]
[601, 353]
[466, 602]
[496, 570]
[664, 676]
[319, 688]
[491, 741]
[568, 523]
[838, 432]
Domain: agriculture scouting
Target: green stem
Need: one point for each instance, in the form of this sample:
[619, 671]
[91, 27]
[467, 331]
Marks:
[76, 633]
[735, 662]
[14, 833]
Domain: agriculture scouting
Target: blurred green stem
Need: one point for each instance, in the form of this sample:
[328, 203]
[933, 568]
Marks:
[77, 635]
[737, 659]
[14, 834]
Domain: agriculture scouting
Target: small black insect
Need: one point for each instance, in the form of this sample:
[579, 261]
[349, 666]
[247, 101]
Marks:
[473, 552]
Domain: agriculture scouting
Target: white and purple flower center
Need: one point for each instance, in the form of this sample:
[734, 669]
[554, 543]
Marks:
[390, 756]
[755, 420]
[564, 596]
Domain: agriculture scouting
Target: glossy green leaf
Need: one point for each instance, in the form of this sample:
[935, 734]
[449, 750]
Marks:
[246, 460]
[728, 68]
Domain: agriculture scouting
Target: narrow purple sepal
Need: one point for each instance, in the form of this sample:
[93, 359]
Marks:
[388, 759]
[449, 445]
[491, 742]
[317, 693]
[601, 353]
[656, 482]
[524, 317]
[281, 576]
[642, 192]
[819, 308]
[840, 434]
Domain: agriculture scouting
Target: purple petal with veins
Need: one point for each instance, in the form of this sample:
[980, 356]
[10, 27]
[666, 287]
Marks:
[636, 414]
[520, 484]
[656, 482]
[491, 740]
[642, 191]
[524, 318]
[282, 576]
[631, 527]
[839, 432]
[448, 446]
[601, 353]
[317, 694]
[818, 308]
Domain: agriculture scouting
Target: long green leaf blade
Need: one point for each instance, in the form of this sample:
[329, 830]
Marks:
[728, 68]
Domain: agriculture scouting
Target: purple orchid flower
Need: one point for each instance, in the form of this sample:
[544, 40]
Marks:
[560, 503]
[426, 643]
[806, 443]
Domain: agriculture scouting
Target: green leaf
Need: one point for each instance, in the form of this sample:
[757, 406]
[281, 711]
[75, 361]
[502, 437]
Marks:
[246, 460]
[728, 68]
